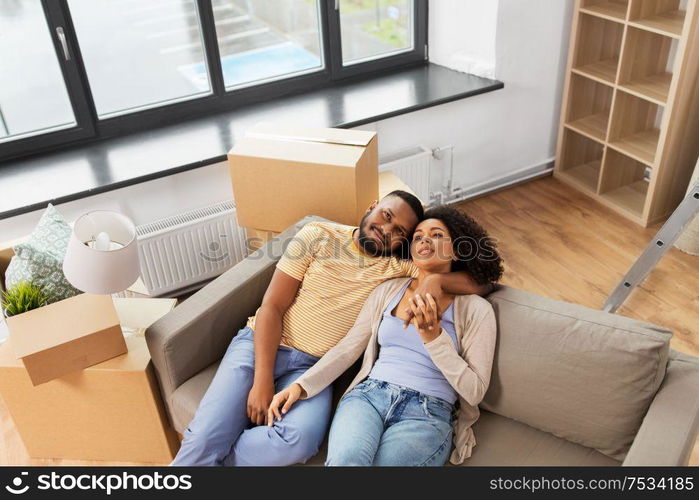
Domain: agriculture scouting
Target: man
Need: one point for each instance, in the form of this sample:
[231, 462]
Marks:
[318, 288]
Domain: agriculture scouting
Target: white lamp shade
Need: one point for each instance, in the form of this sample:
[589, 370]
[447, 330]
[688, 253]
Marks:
[100, 270]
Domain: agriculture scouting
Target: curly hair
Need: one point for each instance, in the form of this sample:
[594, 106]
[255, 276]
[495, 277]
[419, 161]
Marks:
[475, 251]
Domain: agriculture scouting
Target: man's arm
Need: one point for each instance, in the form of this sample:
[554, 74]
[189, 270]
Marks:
[280, 294]
[454, 283]
[460, 283]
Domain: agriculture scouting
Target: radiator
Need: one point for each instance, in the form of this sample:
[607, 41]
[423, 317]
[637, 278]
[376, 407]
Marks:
[412, 166]
[187, 249]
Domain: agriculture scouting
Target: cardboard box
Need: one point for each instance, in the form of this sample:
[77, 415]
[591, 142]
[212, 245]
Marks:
[258, 237]
[282, 173]
[110, 411]
[66, 336]
[137, 314]
[389, 181]
[6, 254]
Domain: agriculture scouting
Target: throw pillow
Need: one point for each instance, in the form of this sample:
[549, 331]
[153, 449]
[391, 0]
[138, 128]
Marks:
[40, 259]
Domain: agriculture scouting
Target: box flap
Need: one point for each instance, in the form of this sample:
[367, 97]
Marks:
[295, 153]
[136, 359]
[139, 313]
[290, 132]
[61, 322]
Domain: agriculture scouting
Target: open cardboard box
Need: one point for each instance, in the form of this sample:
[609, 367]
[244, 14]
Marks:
[388, 181]
[110, 411]
[64, 336]
[282, 173]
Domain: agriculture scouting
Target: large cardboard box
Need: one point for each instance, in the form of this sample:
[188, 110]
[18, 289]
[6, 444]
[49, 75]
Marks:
[6, 254]
[282, 173]
[66, 336]
[258, 237]
[389, 181]
[111, 411]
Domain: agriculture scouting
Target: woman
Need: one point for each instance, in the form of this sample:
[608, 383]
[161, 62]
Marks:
[399, 409]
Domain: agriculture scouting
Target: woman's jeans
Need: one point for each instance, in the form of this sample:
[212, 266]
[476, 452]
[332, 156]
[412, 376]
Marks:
[378, 423]
[221, 433]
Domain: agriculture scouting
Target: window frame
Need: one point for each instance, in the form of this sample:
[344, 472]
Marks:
[416, 55]
[73, 81]
[89, 127]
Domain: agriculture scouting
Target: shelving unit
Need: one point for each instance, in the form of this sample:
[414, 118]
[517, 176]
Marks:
[647, 67]
[626, 183]
[665, 17]
[612, 9]
[600, 46]
[629, 133]
[589, 106]
[635, 128]
[581, 160]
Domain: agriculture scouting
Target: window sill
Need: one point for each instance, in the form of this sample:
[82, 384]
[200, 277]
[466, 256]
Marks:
[29, 184]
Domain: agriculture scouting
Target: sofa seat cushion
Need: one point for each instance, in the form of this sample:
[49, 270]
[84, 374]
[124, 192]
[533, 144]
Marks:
[185, 400]
[578, 373]
[502, 441]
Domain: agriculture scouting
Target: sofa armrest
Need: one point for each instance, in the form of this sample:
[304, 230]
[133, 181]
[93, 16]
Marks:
[669, 430]
[197, 332]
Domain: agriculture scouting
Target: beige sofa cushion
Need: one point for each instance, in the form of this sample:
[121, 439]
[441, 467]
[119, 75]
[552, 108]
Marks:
[578, 373]
[502, 441]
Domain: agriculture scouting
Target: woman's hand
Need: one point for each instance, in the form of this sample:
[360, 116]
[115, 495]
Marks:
[287, 397]
[427, 317]
[430, 285]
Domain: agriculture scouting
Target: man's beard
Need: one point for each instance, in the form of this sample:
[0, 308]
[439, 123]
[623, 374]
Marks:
[368, 245]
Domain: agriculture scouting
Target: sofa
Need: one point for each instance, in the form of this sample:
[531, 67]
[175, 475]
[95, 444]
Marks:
[570, 385]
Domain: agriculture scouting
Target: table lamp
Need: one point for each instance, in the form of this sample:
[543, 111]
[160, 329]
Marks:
[102, 259]
[102, 254]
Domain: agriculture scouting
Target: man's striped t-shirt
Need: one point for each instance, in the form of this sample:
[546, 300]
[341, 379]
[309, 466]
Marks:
[336, 279]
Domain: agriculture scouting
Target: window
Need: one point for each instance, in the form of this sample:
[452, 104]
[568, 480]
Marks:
[375, 28]
[140, 54]
[33, 96]
[260, 41]
[82, 69]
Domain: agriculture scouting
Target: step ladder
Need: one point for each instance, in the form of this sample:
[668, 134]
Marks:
[663, 240]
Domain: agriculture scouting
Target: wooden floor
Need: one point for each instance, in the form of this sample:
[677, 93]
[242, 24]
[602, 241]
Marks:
[558, 243]
[561, 244]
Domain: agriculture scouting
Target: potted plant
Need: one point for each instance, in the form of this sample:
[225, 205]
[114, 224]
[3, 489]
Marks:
[23, 297]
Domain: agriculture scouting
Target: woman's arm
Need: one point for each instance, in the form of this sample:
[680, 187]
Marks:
[468, 374]
[333, 363]
[342, 355]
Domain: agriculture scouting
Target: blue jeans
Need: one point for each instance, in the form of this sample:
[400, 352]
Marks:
[378, 423]
[221, 433]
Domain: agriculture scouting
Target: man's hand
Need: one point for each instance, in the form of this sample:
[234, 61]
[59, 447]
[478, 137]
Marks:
[259, 398]
[286, 397]
[431, 285]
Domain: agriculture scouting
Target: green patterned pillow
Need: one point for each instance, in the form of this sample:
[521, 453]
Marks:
[40, 258]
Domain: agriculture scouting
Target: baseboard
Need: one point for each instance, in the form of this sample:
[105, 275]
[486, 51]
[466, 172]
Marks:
[519, 177]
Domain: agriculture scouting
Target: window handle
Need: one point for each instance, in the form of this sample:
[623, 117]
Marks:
[64, 43]
[337, 4]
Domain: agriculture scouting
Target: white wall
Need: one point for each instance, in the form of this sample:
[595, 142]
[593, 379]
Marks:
[509, 130]
[495, 135]
[462, 35]
[143, 202]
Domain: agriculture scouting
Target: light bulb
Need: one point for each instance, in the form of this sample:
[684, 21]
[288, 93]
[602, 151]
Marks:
[102, 242]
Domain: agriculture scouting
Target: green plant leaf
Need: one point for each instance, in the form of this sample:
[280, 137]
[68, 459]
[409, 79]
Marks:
[23, 297]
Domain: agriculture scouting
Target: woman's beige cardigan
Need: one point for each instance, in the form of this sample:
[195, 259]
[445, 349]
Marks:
[468, 373]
